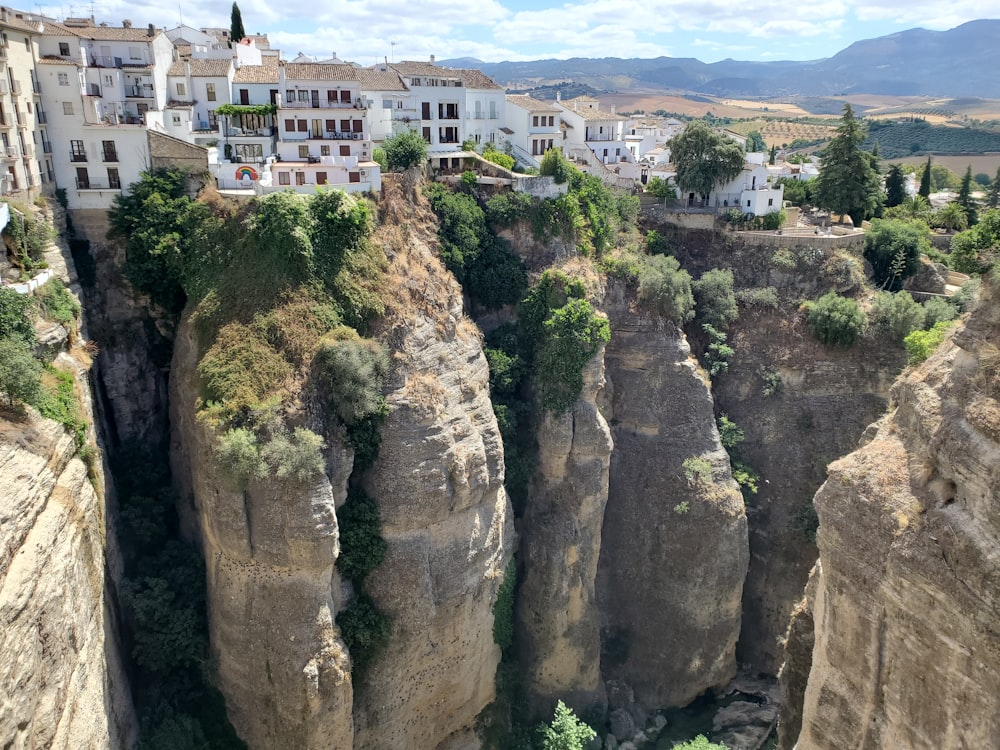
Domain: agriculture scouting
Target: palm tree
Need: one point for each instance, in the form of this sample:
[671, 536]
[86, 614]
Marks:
[953, 218]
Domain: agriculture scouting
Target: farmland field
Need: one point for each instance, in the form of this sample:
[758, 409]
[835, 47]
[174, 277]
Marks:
[957, 163]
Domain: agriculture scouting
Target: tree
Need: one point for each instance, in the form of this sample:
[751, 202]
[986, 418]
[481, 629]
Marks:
[704, 158]
[952, 217]
[14, 320]
[236, 31]
[699, 743]
[716, 301]
[20, 372]
[772, 155]
[566, 732]
[895, 186]
[848, 184]
[660, 188]
[755, 142]
[405, 150]
[993, 193]
[965, 199]
[836, 320]
[925, 180]
[554, 164]
[893, 247]
[975, 250]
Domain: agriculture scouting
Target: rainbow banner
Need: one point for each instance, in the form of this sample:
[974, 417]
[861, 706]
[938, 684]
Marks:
[246, 173]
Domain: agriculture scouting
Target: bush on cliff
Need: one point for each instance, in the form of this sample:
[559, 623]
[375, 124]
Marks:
[836, 321]
[896, 314]
[665, 289]
[715, 299]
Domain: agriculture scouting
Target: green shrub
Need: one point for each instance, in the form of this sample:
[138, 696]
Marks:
[718, 352]
[763, 298]
[572, 335]
[835, 320]
[506, 209]
[921, 344]
[405, 150]
[896, 314]
[57, 400]
[365, 438]
[893, 247]
[699, 743]
[714, 297]
[20, 372]
[497, 277]
[298, 456]
[566, 732]
[657, 244]
[491, 154]
[660, 188]
[462, 225]
[556, 165]
[665, 289]
[967, 294]
[365, 630]
[351, 374]
[378, 156]
[14, 316]
[503, 609]
[506, 372]
[27, 238]
[937, 310]
[282, 223]
[730, 434]
[697, 471]
[362, 548]
[56, 303]
[239, 454]
[771, 382]
[784, 259]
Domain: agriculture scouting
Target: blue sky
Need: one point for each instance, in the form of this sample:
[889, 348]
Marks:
[368, 30]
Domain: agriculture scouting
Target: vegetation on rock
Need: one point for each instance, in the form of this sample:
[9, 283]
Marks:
[836, 321]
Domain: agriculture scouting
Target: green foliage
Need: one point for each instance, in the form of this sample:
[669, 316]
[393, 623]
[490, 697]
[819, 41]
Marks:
[57, 400]
[925, 180]
[14, 316]
[236, 31]
[282, 224]
[378, 155]
[55, 303]
[699, 743]
[20, 372]
[556, 165]
[965, 199]
[362, 548]
[168, 631]
[836, 321]
[896, 314]
[657, 243]
[238, 110]
[498, 277]
[27, 238]
[665, 289]
[469, 179]
[297, 456]
[704, 158]
[697, 471]
[662, 189]
[797, 192]
[993, 192]
[755, 142]
[771, 382]
[717, 352]
[762, 298]
[974, 251]
[566, 732]
[921, 344]
[492, 154]
[952, 217]
[350, 374]
[897, 139]
[405, 150]
[937, 310]
[365, 438]
[847, 184]
[967, 294]
[366, 630]
[893, 247]
[806, 520]
[238, 452]
[714, 297]
[682, 507]
[503, 609]
[572, 335]
[895, 186]
[730, 434]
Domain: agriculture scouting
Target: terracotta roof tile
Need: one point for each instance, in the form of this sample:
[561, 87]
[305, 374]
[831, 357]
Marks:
[319, 72]
[267, 73]
[530, 104]
[380, 80]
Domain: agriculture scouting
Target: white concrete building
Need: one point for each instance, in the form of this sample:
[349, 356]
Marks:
[534, 127]
[197, 88]
[751, 190]
[24, 138]
[588, 126]
[393, 108]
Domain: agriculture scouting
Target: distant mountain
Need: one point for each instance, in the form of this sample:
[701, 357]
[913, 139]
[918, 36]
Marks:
[959, 62]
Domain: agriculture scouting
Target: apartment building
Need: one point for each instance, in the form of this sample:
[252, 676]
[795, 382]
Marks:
[23, 122]
[534, 127]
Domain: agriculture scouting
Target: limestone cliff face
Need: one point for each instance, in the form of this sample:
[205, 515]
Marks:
[674, 548]
[273, 591]
[559, 623]
[907, 652]
[446, 518]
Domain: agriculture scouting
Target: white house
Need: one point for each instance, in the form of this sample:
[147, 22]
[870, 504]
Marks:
[534, 127]
[393, 107]
[197, 88]
[751, 191]
[603, 133]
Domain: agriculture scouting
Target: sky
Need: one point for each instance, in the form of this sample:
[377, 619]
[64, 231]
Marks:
[366, 31]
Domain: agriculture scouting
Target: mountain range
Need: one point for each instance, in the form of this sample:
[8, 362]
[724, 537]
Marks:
[959, 62]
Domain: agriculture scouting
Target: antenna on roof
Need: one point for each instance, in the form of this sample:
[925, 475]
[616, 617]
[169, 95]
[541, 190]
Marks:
[180, 14]
[392, 51]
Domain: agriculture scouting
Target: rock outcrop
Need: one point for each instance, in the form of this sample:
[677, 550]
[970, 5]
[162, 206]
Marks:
[674, 545]
[438, 483]
[907, 651]
[559, 623]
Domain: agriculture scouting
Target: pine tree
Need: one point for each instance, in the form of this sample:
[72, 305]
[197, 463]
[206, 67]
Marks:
[993, 192]
[847, 183]
[895, 186]
[236, 31]
[925, 181]
[965, 199]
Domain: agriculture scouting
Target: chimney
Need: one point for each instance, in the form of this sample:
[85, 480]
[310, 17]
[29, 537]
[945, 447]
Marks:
[126, 24]
[432, 60]
[613, 108]
[151, 31]
[559, 95]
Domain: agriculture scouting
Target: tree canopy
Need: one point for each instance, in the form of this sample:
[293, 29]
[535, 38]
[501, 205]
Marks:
[893, 247]
[704, 158]
[965, 199]
[236, 31]
[755, 141]
[895, 186]
[925, 180]
[847, 183]
[566, 732]
[405, 150]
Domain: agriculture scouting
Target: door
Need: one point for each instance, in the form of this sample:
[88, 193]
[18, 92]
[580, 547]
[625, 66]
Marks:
[425, 110]
[274, 96]
[345, 150]
[317, 129]
[244, 96]
[321, 178]
[300, 178]
[314, 98]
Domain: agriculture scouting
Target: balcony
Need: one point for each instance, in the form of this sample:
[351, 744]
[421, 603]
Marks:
[29, 150]
[82, 184]
[43, 118]
[15, 87]
[318, 104]
[110, 154]
[47, 147]
[11, 153]
[76, 155]
[92, 89]
[36, 87]
[105, 62]
[139, 92]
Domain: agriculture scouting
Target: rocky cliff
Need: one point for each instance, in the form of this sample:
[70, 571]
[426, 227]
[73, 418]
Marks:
[906, 652]
[674, 544]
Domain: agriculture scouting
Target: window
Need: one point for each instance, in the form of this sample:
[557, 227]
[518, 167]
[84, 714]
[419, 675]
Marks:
[303, 152]
[302, 126]
[27, 44]
[426, 133]
[82, 178]
[770, 201]
[181, 89]
[534, 121]
[345, 126]
[289, 95]
[67, 108]
[249, 152]
[321, 178]
[64, 49]
[63, 79]
[493, 110]
[324, 150]
[289, 125]
[114, 181]
[76, 151]
[345, 150]
[176, 119]
[331, 126]
[300, 178]
[210, 91]
[109, 81]
[304, 95]
[283, 178]
[748, 204]
[387, 104]
[213, 119]
[345, 97]
[109, 150]
[135, 53]
[354, 177]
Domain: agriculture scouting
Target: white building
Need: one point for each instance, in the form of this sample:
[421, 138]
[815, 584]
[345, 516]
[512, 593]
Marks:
[393, 108]
[26, 146]
[603, 133]
[534, 127]
[198, 87]
[751, 190]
